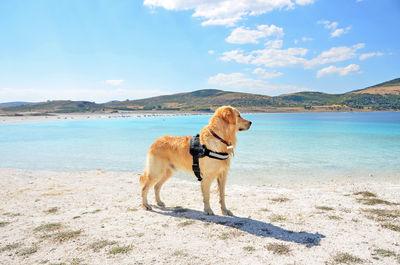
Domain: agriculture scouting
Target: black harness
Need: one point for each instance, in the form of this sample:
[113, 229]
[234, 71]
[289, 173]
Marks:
[197, 150]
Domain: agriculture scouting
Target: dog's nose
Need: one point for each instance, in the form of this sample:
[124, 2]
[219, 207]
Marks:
[250, 123]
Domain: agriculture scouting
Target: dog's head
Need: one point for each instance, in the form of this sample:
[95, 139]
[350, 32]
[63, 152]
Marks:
[232, 116]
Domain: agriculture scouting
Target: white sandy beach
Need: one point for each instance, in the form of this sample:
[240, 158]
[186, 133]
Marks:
[5, 119]
[95, 217]
[57, 117]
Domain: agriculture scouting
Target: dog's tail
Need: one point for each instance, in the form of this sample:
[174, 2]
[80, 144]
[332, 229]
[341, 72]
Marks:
[142, 178]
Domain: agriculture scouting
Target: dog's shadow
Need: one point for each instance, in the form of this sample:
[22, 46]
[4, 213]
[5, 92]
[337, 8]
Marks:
[251, 226]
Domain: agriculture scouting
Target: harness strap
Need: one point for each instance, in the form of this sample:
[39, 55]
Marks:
[215, 155]
[197, 150]
[196, 168]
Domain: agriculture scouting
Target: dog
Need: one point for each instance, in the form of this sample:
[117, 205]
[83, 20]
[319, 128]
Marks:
[169, 154]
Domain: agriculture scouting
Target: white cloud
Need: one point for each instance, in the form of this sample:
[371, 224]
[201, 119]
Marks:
[368, 55]
[97, 95]
[211, 52]
[274, 57]
[304, 2]
[263, 74]
[279, 57]
[333, 26]
[274, 44]
[240, 82]
[243, 35]
[236, 55]
[335, 54]
[328, 24]
[225, 12]
[304, 39]
[351, 68]
[338, 32]
[269, 57]
[235, 80]
[114, 82]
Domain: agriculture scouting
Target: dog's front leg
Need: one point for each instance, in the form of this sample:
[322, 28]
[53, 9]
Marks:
[205, 189]
[221, 187]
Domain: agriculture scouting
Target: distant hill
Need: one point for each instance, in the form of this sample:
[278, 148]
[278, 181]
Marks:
[15, 104]
[310, 98]
[56, 106]
[209, 99]
[382, 96]
[391, 87]
[201, 100]
[393, 82]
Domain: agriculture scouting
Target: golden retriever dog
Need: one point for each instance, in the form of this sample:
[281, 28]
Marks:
[169, 154]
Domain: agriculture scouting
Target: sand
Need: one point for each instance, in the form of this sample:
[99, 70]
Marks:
[32, 117]
[95, 217]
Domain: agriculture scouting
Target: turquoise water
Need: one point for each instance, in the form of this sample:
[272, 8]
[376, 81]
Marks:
[277, 148]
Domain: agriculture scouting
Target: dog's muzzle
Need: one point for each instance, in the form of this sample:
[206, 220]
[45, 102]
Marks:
[248, 127]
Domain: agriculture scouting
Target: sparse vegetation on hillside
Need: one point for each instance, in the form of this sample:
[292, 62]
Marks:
[384, 96]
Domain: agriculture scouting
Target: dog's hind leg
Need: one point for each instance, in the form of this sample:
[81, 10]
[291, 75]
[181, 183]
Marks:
[158, 185]
[154, 171]
[145, 189]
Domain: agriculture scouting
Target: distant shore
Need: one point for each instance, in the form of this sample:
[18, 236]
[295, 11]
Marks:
[94, 217]
[4, 119]
[40, 117]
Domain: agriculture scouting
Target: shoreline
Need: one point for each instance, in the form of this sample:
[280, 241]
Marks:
[94, 217]
[8, 119]
[37, 117]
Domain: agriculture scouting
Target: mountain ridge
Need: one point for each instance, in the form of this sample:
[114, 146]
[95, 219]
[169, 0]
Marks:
[383, 96]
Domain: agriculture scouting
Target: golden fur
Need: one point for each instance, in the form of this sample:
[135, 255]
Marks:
[169, 154]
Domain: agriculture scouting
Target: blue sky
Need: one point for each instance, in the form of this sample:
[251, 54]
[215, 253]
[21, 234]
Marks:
[107, 50]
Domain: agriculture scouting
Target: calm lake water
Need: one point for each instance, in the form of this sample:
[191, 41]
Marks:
[278, 147]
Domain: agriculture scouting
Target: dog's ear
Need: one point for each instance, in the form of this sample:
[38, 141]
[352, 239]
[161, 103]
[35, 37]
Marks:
[228, 115]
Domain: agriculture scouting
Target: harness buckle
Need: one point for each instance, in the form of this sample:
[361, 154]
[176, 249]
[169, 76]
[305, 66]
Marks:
[197, 150]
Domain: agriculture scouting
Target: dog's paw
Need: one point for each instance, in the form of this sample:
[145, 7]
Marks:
[208, 212]
[227, 212]
[161, 204]
[147, 207]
